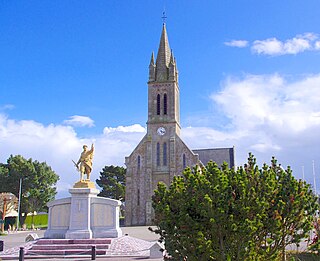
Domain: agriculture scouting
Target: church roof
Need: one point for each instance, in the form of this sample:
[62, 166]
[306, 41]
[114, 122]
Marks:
[218, 155]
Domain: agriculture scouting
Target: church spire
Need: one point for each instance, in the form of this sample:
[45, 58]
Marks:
[163, 56]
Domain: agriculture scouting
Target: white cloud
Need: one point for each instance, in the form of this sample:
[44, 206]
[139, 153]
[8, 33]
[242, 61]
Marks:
[270, 46]
[79, 121]
[269, 100]
[274, 47]
[237, 43]
[296, 45]
[53, 144]
[7, 107]
[270, 116]
[132, 128]
[58, 145]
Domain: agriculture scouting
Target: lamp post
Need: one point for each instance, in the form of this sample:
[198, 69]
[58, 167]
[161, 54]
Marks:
[6, 197]
[19, 203]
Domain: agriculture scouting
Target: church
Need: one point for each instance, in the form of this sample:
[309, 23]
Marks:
[162, 154]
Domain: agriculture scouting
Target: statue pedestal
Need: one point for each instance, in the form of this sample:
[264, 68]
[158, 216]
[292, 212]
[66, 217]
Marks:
[80, 213]
[84, 215]
[84, 184]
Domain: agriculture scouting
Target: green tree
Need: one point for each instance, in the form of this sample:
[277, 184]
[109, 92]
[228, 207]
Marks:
[291, 209]
[112, 181]
[38, 181]
[42, 190]
[226, 214]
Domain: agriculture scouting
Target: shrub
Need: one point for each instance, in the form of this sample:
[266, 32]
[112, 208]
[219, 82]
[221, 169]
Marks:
[226, 214]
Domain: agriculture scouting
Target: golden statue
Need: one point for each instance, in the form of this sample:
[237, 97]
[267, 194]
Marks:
[85, 162]
[84, 166]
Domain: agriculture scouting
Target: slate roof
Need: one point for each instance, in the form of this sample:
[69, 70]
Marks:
[218, 155]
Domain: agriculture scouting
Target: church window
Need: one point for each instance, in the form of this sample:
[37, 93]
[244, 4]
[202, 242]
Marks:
[165, 104]
[165, 154]
[184, 161]
[138, 196]
[158, 154]
[158, 104]
[139, 162]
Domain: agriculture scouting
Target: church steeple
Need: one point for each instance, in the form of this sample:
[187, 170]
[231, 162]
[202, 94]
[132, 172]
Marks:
[165, 68]
[163, 89]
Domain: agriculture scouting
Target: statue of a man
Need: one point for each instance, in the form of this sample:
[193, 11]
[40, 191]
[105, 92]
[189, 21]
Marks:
[85, 162]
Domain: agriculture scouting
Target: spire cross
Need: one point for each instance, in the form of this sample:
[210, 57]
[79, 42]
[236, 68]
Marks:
[164, 17]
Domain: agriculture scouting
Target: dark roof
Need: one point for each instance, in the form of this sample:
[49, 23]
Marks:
[218, 155]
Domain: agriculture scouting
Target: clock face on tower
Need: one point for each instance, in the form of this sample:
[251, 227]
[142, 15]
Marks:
[161, 131]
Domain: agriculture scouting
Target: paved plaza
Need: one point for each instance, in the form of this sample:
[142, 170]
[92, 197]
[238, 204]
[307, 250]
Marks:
[133, 245]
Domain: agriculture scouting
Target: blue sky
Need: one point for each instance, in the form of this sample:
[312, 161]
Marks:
[75, 72]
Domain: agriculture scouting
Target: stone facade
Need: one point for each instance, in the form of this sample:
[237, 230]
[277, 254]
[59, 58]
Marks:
[161, 154]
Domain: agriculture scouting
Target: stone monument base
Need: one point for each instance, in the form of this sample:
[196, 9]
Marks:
[84, 215]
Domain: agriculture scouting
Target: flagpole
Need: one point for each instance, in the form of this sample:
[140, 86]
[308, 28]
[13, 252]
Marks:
[314, 179]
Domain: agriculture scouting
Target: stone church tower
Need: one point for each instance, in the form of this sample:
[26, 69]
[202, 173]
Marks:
[161, 154]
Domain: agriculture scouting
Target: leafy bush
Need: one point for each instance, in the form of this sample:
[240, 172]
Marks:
[226, 214]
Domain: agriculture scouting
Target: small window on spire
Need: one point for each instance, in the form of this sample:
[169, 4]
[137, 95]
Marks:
[165, 104]
[158, 104]
[139, 161]
[184, 163]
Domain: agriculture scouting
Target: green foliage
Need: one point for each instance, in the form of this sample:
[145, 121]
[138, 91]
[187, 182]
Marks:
[112, 182]
[226, 214]
[43, 189]
[38, 181]
[39, 221]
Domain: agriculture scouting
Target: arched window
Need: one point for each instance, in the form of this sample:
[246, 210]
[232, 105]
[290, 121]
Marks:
[158, 154]
[165, 154]
[184, 161]
[158, 104]
[165, 103]
[139, 162]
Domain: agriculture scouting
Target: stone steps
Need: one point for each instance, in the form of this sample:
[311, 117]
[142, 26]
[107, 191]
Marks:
[94, 241]
[73, 246]
[63, 252]
[67, 247]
